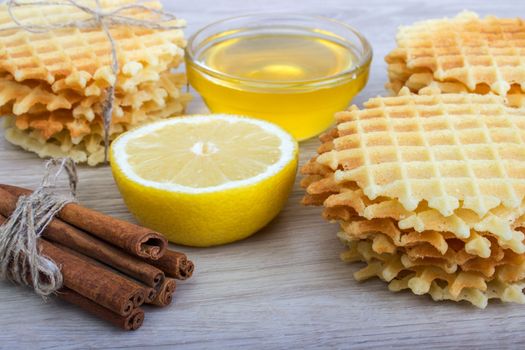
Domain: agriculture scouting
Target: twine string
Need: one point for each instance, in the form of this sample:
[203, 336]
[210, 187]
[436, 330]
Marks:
[104, 20]
[20, 259]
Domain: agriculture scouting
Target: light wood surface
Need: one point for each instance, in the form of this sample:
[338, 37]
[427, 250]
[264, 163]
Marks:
[285, 287]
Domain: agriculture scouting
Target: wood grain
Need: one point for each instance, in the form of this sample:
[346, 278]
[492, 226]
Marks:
[285, 287]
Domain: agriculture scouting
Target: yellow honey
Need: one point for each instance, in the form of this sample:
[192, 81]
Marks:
[297, 79]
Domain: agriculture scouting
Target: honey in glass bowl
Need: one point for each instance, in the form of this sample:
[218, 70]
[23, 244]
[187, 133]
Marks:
[293, 70]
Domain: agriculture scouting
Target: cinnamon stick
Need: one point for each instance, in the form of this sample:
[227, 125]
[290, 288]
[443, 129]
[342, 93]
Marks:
[151, 294]
[175, 265]
[96, 283]
[165, 295]
[132, 238]
[131, 322]
[77, 240]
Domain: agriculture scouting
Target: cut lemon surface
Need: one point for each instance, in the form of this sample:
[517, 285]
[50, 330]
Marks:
[205, 180]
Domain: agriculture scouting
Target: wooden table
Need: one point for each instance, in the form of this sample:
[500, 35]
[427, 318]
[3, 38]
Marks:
[285, 287]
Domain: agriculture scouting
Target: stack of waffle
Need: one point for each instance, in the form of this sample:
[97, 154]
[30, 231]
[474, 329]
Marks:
[53, 85]
[463, 54]
[429, 192]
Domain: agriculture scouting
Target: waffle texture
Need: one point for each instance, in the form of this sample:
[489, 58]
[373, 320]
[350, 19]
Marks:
[450, 150]
[435, 180]
[480, 253]
[465, 53]
[438, 283]
[53, 84]
[86, 114]
[80, 56]
[84, 143]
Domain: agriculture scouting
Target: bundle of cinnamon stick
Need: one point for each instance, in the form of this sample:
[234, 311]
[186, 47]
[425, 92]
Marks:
[110, 267]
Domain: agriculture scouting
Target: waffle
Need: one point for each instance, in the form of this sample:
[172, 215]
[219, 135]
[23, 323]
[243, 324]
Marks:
[440, 285]
[79, 58]
[424, 83]
[480, 253]
[501, 222]
[401, 136]
[88, 148]
[389, 238]
[430, 186]
[128, 109]
[33, 97]
[53, 84]
[451, 150]
[462, 53]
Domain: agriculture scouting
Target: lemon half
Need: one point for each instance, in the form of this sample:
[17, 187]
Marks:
[205, 180]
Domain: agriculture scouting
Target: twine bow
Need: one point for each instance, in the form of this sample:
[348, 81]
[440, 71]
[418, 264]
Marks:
[20, 258]
[102, 19]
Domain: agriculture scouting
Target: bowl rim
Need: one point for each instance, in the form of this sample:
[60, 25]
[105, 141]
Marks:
[363, 61]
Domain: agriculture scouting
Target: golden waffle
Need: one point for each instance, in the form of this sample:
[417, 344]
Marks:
[399, 76]
[35, 97]
[440, 285]
[20, 98]
[80, 58]
[466, 49]
[90, 147]
[128, 110]
[480, 253]
[502, 222]
[423, 82]
[371, 140]
[389, 238]
[168, 86]
[452, 151]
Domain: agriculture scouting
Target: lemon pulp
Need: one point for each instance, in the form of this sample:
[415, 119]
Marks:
[205, 180]
[194, 156]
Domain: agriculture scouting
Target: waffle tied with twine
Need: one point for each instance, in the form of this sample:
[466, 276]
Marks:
[58, 73]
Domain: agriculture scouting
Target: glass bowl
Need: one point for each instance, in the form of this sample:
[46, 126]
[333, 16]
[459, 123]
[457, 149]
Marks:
[303, 106]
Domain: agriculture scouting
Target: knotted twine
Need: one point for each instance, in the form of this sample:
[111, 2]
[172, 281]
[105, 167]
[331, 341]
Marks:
[20, 258]
[99, 19]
